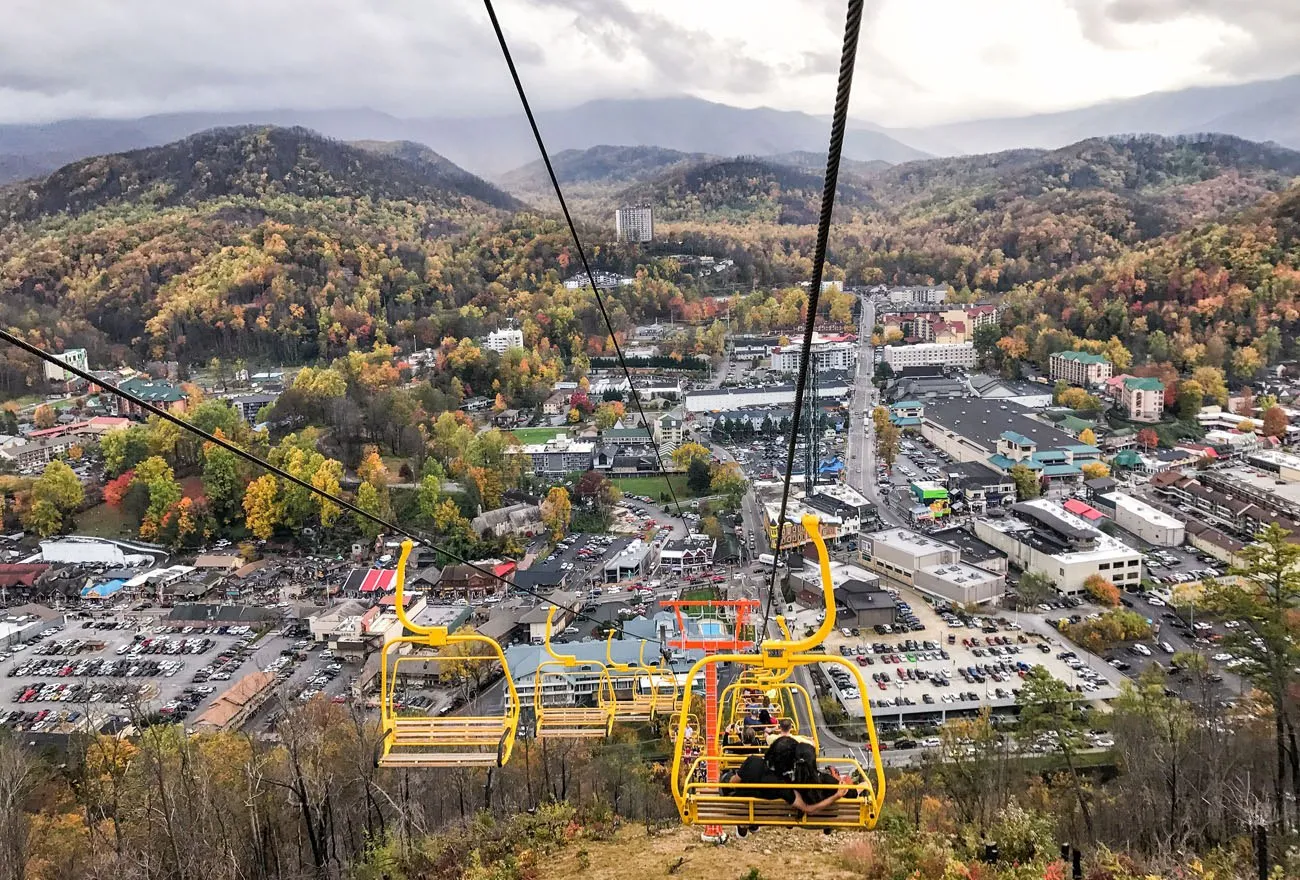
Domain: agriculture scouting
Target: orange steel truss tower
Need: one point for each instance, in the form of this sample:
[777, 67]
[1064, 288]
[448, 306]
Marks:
[721, 627]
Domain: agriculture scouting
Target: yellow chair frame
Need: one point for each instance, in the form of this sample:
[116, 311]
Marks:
[570, 722]
[413, 740]
[640, 707]
[702, 802]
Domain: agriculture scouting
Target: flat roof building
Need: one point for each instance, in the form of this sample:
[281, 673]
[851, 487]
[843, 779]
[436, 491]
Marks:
[1139, 518]
[1042, 537]
[1003, 435]
[954, 354]
[931, 566]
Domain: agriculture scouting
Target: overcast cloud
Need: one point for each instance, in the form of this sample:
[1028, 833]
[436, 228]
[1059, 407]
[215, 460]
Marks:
[921, 61]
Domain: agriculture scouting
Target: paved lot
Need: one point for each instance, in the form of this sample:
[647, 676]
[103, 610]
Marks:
[97, 672]
[885, 655]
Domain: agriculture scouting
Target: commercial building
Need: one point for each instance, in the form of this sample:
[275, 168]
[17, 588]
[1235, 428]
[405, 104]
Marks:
[634, 561]
[1143, 399]
[1003, 435]
[634, 223]
[725, 399]
[1079, 368]
[1141, 519]
[936, 323]
[927, 295]
[161, 394]
[1030, 395]
[980, 554]
[73, 357]
[864, 604]
[691, 555]
[234, 707]
[604, 280]
[1042, 537]
[977, 488]
[559, 456]
[667, 433]
[825, 353]
[35, 455]
[924, 354]
[931, 566]
[504, 339]
[249, 405]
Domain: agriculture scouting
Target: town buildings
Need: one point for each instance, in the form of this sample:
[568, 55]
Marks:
[504, 339]
[1043, 537]
[634, 223]
[1079, 368]
[930, 566]
[925, 354]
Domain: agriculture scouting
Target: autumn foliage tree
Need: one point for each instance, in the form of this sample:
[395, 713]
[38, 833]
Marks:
[1147, 438]
[1101, 591]
[556, 511]
[1275, 422]
[44, 417]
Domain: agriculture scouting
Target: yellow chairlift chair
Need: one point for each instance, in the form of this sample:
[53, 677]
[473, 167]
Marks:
[632, 702]
[560, 683]
[418, 739]
[711, 803]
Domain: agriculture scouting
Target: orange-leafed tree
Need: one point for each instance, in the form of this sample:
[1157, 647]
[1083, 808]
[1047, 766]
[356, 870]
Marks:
[1275, 421]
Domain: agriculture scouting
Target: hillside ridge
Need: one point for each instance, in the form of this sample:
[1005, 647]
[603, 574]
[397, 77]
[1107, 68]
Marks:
[252, 161]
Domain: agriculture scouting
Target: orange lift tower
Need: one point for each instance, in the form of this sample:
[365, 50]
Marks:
[714, 626]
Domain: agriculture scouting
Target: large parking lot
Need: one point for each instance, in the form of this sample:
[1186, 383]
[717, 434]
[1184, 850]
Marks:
[87, 670]
[952, 665]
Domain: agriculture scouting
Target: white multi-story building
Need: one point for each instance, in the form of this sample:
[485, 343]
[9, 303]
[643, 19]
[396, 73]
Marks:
[930, 566]
[1042, 537]
[503, 339]
[1079, 368]
[930, 354]
[1139, 518]
[73, 357]
[634, 223]
[823, 356]
[558, 457]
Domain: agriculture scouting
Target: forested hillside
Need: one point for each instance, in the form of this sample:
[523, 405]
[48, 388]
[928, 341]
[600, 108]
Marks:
[743, 191]
[250, 162]
[280, 246]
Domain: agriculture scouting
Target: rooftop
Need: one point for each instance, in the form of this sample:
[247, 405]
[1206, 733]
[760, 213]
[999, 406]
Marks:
[968, 544]
[984, 421]
[1141, 508]
[909, 541]
[1081, 357]
[1136, 383]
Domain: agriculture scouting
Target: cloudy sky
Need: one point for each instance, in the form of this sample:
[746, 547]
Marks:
[921, 61]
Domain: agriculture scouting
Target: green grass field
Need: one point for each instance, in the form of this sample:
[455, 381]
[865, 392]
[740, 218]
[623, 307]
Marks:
[535, 435]
[654, 486]
[703, 594]
[103, 521]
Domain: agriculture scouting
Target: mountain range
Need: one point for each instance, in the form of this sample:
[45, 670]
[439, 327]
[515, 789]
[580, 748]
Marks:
[499, 146]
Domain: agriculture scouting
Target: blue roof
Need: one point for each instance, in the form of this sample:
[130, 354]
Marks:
[1018, 439]
[102, 591]
[1083, 449]
[906, 421]
[1061, 470]
[1050, 456]
[906, 404]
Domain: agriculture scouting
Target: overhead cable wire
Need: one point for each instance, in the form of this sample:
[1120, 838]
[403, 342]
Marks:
[249, 457]
[582, 253]
[839, 120]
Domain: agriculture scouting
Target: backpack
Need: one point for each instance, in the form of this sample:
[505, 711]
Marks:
[782, 754]
[805, 763]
